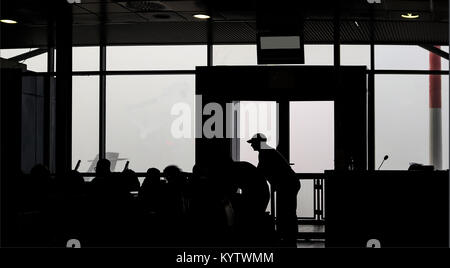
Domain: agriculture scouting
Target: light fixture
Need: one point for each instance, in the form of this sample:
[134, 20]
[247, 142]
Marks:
[8, 21]
[410, 16]
[202, 16]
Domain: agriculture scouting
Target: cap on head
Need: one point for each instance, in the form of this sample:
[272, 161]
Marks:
[258, 138]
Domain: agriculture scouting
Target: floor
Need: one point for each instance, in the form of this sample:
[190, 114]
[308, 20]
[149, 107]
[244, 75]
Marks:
[311, 244]
[311, 236]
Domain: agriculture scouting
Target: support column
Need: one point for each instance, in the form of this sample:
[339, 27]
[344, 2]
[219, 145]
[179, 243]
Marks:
[371, 98]
[435, 113]
[48, 98]
[102, 85]
[64, 88]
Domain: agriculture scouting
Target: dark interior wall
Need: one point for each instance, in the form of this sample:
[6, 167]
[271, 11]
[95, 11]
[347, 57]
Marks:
[22, 133]
[347, 88]
[23, 120]
[10, 146]
[11, 110]
[32, 122]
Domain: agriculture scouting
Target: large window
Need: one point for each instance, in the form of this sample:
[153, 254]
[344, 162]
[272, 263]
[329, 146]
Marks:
[402, 113]
[356, 55]
[402, 128]
[85, 110]
[141, 110]
[403, 58]
[145, 116]
[86, 59]
[319, 54]
[311, 146]
[402, 109]
[120, 58]
[235, 55]
[85, 122]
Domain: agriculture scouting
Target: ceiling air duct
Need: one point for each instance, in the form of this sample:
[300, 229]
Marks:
[145, 6]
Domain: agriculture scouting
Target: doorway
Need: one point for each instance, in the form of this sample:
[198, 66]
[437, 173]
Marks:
[321, 120]
[311, 141]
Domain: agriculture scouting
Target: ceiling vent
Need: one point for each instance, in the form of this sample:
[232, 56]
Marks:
[146, 6]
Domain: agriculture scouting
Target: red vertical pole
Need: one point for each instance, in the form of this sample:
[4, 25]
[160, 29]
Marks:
[435, 112]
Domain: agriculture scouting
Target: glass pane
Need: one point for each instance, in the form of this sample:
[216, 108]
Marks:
[312, 136]
[142, 113]
[156, 57]
[311, 146]
[319, 55]
[85, 122]
[86, 59]
[404, 58]
[235, 55]
[403, 118]
[355, 55]
[35, 64]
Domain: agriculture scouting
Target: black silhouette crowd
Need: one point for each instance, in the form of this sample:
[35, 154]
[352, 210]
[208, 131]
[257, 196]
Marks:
[220, 204]
[212, 207]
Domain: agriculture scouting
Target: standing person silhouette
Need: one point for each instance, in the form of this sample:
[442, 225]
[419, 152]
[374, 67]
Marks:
[284, 182]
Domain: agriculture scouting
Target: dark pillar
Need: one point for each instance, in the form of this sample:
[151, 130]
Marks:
[10, 147]
[64, 88]
[371, 97]
[210, 37]
[102, 85]
[283, 128]
[49, 99]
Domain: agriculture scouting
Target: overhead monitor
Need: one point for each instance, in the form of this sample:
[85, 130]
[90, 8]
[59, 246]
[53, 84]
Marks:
[280, 49]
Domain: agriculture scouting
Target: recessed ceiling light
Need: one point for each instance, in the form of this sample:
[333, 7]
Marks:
[410, 16]
[8, 21]
[202, 16]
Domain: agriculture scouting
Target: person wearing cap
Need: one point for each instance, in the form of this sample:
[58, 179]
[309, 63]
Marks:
[284, 182]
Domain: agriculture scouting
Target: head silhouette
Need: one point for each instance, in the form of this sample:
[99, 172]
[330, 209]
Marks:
[153, 175]
[174, 175]
[152, 182]
[40, 171]
[258, 142]
[103, 167]
[131, 180]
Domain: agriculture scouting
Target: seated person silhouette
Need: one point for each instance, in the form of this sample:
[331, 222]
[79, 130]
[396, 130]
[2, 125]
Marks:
[175, 190]
[150, 192]
[102, 171]
[131, 180]
[284, 182]
[111, 208]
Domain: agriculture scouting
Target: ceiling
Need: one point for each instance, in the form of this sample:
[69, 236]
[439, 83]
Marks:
[235, 21]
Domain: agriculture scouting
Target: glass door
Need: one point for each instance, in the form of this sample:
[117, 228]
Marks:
[311, 147]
